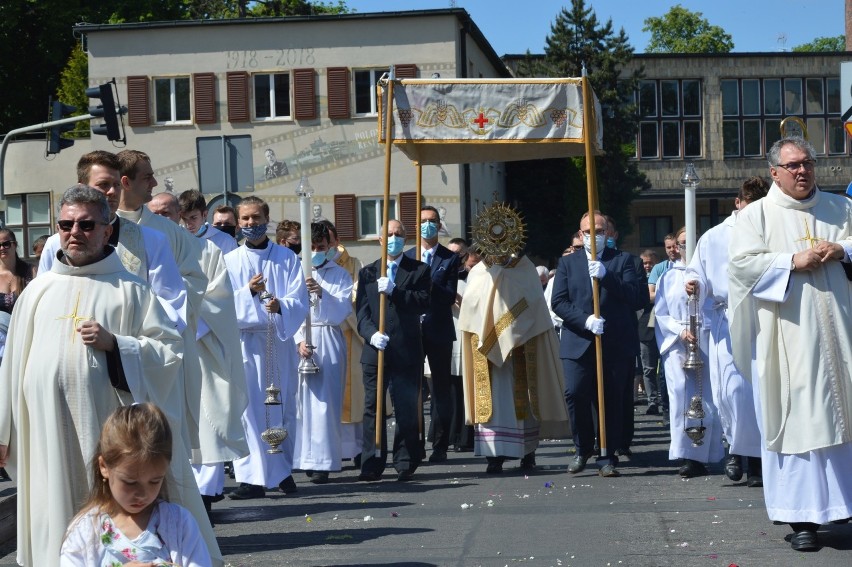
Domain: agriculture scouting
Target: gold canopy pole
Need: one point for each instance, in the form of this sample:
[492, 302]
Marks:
[383, 268]
[589, 132]
[418, 202]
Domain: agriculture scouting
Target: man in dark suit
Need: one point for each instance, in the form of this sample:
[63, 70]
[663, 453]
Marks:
[621, 295]
[406, 288]
[438, 329]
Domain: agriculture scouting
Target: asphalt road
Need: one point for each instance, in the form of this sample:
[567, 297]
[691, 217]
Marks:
[453, 514]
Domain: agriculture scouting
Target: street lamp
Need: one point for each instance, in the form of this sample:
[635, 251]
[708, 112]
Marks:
[690, 181]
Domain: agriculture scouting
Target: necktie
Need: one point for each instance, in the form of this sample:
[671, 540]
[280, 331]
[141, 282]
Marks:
[427, 257]
[392, 271]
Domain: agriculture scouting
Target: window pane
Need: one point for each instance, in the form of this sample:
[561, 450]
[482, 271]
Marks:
[368, 217]
[669, 98]
[163, 99]
[815, 102]
[832, 87]
[692, 139]
[671, 139]
[772, 96]
[38, 209]
[731, 137]
[33, 234]
[282, 95]
[648, 140]
[836, 136]
[647, 98]
[730, 98]
[751, 138]
[183, 110]
[363, 95]
[792, 96]
[772, 133]
[816, 134]
[691, 98]
[751, 97]
[262, 108]
[14, 214]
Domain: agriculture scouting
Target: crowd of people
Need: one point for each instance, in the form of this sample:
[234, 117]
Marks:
[185, 348]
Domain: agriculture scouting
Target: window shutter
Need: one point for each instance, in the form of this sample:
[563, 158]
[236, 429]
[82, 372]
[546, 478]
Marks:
[338, 92]
[238, 96]
[408, 213]
[344, 217]
[305, 94]
[204, 94]
[406, 71]
[138, 104]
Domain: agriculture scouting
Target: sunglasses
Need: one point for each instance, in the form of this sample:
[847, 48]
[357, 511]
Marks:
[85, 225]
[7, 244]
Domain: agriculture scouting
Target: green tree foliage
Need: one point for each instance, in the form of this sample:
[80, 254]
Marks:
[823, 44]
[72, 87]
[552, 193]
[682, 31]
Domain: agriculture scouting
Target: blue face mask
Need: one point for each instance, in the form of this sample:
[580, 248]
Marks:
[610, 242]
[319, 258]
[201, 230]
[395, 244]
[428, 229]
[253, 233]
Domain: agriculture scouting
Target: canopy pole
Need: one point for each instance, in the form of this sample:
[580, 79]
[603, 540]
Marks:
[418, 202]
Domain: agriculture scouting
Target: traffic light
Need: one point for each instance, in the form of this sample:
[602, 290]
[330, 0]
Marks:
[55, 142]
[105, 110]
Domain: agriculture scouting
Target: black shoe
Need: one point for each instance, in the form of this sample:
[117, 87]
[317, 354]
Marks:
[405, 476]
[805, 540]
[653, 409]
[369, 476]
[288, 485]
[754, 481]
[495, 465]
[438, 456]
[319, 477]
[755, 472]
[4, 476]
[247, 491]
[692, 469]
[843, 521]
[578, 463]
[608, 471]
[309, 474]
[528, 462]
[463, 449]
[356, 460]
[734, 467]
[208, 503]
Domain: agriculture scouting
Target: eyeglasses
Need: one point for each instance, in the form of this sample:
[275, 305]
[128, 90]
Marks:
[681, 246]
[7, 244]
[85, 225]
[577, 246]
[795, 166]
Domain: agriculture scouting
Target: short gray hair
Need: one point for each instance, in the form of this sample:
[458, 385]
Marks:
[81, 194]
[774, 153]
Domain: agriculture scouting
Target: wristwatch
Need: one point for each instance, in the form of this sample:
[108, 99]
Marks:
[792, 263]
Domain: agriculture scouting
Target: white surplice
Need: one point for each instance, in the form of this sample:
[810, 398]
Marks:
[790, 333]
[225, 242]
[54, 399]
[318, 442]
[284, 280]
[672, 317]
[732, 394]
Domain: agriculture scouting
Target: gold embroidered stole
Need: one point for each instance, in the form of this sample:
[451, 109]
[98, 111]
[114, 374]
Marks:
[131, 249]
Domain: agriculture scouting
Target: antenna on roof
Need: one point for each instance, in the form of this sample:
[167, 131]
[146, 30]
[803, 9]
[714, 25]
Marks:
[782, 39]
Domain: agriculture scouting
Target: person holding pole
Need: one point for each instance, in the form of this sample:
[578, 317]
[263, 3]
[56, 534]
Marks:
[622, 293]
[406, 288]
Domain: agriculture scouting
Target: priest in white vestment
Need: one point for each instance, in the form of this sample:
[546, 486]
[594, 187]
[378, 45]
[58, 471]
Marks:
[732, 393]
[318, 443]
[110, 344]
[791, 303]
[266, 328]
[513, 383]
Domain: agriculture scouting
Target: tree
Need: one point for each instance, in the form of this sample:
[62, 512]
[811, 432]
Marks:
[683, 31]
[552, 193]
[72, 87]
[837, 43]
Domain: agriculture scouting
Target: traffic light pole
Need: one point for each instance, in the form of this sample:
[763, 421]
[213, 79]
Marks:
[14, 133]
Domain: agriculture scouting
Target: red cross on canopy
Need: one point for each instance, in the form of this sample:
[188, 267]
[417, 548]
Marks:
[480, 120]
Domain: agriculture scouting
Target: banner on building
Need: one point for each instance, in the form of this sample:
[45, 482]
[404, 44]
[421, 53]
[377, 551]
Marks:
[482, 120]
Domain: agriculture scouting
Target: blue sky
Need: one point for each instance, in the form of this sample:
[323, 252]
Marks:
[513, 26]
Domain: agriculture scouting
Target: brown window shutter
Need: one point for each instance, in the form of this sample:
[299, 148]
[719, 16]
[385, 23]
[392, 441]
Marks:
[408, 213]
[344, 217]
[305, 94]
[338, 92]
[138, 104]
[405, 71]
[238, 96]
[204, 95]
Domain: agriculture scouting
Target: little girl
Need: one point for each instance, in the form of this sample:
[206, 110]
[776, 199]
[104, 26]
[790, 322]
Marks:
[127, 519]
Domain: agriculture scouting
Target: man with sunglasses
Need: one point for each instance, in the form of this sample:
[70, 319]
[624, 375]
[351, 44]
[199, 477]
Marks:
[110, 344]
[790, 301]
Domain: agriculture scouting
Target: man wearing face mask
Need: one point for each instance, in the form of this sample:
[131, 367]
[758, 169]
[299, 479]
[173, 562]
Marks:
[438, 329]
[622, 293]
[288, 234]
[320, 396]
[406, 287]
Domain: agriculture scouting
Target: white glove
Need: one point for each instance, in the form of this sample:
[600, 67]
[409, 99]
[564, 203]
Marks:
[596, 269]
[595, 325]
[385, 285]
[379, 340]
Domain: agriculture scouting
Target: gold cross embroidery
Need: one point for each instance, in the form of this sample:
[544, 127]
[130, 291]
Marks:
[811, 240]
[75, 318]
